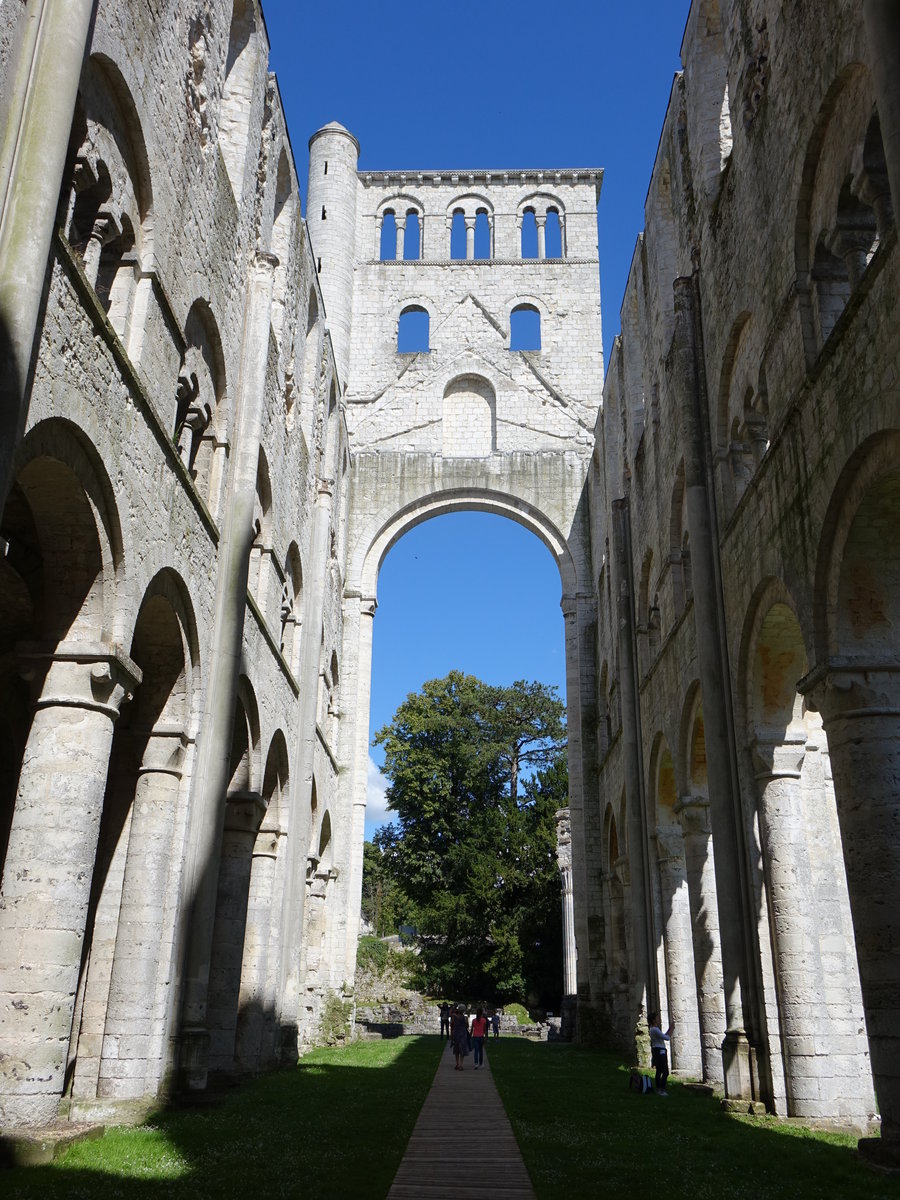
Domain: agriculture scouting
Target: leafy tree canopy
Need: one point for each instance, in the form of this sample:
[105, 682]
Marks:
[476, 775]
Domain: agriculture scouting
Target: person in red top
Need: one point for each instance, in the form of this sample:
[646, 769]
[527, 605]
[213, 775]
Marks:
[479, 1033]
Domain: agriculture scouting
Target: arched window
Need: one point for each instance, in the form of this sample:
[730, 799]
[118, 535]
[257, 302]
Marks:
[458, 235]
[237, 93]
[529, 234]
[553, 235]
[388, 237]
[412, 330]
[482, 234]
[412, 238]
[525, 327]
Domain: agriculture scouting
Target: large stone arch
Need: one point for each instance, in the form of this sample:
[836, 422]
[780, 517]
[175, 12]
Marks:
[118, 1051]
[62, 568]
[675, 955]
[393, 493]
[855, 685]
[805, 895]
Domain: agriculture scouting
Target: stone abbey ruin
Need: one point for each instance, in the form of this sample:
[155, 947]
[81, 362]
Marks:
[209, 439]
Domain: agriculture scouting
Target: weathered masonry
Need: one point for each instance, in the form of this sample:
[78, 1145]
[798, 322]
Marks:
[205, 456]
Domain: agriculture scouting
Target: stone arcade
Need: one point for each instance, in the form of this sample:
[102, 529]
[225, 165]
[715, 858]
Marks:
[210, 436]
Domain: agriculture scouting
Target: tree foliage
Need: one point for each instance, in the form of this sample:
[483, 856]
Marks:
[476, 774]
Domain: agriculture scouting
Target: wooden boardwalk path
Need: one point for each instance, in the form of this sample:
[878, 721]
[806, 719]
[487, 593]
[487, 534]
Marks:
[462, 1146]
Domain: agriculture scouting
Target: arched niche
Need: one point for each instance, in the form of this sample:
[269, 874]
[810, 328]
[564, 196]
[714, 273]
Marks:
[469, 418]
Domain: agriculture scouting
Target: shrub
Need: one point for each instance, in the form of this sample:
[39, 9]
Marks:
[372, 954]
[519, 1012]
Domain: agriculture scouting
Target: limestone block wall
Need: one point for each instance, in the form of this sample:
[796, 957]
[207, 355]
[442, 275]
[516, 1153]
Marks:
[755, 365]
[172, 585]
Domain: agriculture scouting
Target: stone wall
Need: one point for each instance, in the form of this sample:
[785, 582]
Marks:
[748, 416]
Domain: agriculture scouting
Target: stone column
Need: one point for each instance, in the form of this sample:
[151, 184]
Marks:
[882, 18]
[778, 764]
[292, 918]
[470, 238]
[128, 1034]
[680, 976]
[541, 223]
[205, 835]
[400, 223]
[359, 618]
[38, 99]
[255, 998]
[637, 834]
[379, 222]
[860, 708]
[740, 973]
[564, 860]
[562, 235]
[243, 814]
[693, 813]
[49, 866]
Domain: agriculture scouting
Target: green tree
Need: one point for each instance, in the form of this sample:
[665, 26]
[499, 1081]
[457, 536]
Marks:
[476, 774]
[384, 904]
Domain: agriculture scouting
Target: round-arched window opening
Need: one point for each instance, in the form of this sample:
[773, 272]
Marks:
[412, 330]
[525, 328]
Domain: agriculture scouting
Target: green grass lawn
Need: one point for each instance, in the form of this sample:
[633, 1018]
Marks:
[333, 1128]
[584, 1135]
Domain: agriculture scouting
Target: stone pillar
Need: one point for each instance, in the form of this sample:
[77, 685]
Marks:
[255, 993]
[292, 918]
[38, 99]
[379, 222]
[359, 617]
[637, 835]
[680, 978]
[49, 867]
[882, 18]
[693, 813]
[778, 764]
[860, 708]
[400, 223]
[470, 238]
[562, 235]
[205, 835]
[740, 972]
[564, 860]
[128, 1035]
[243, 814]
[541, 223]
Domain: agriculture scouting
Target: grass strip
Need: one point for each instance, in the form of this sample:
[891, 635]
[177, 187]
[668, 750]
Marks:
[584, 1135]
[336, 1125]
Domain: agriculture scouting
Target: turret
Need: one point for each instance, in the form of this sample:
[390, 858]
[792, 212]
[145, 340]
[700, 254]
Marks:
[331, 218]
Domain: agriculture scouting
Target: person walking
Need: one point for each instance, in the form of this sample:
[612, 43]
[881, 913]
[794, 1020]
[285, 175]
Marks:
[495, 1023]
[444, 1010]
[659, 1059]
[479, 1033]
[459, 1036]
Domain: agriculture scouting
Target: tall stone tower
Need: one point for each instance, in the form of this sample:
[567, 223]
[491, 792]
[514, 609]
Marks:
[331, 218]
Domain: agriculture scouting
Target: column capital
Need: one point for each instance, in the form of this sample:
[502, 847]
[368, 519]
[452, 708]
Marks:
[778, 756]
[693, 813]
[669, 847]
[843, 688]
[165, 750]
[540, 220]
[244, 812]
[89, 675]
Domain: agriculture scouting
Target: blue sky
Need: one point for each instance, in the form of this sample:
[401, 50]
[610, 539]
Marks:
[475, 84]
